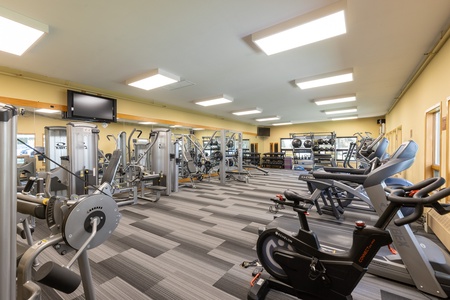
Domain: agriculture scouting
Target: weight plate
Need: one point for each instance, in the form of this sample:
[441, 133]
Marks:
[76, 227]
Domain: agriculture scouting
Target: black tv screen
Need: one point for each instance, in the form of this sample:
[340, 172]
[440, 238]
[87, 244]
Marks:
[261, 131]
[87, 107]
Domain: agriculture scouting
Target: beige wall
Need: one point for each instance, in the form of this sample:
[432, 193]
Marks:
[430, 89]
[42, 91]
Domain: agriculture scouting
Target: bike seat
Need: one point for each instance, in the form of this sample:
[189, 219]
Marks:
[298, 197]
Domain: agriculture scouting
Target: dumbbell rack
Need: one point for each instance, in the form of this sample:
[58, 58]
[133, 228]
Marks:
[302, 151]
[314, 149]
[273, 160]
[324, 150]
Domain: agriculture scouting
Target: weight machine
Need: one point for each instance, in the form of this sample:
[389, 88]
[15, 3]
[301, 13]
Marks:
[194, 164]
[231, 165]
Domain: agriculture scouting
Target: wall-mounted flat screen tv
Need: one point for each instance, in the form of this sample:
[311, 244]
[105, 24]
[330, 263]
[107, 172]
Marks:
[87, 107]
[262, 131]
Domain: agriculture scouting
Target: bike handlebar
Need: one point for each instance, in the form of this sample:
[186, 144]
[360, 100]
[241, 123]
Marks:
[402, 197]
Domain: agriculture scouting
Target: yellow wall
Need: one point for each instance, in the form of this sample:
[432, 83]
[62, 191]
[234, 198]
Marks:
[430, 89]
[42, 91]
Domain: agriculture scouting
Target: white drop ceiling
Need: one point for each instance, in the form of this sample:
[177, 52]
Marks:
[207, 43]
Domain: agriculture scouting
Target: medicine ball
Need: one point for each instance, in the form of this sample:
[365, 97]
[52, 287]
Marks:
[297, 143]
[331, 141]
[307, 144]
[316, 148]
[320, 141]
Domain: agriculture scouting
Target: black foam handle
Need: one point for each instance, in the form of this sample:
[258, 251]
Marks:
[418, 211]
[58, 277]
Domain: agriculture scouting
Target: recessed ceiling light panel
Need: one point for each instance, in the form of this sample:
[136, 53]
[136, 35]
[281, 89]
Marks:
[251, 111]
[18, 33]
[345, 118]
[282, 124]
[215, 101]
[274, 118]
[321, 24]
[324, 80]
[334, 100]
[153, 79]
[341, 111]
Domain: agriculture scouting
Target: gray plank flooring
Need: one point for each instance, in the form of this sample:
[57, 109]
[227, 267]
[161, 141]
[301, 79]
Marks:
[190, 245]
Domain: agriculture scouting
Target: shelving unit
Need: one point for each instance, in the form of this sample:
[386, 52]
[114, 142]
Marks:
[311, 149]
[251, 158]
[324, 149]
[273, 160]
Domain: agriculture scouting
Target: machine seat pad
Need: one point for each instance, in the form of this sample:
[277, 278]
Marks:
[237, 172]
[157, 187]
[298, 197]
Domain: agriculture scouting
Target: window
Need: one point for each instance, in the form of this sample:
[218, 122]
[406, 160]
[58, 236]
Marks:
[433, 142]
[437, 138]
[28, 139]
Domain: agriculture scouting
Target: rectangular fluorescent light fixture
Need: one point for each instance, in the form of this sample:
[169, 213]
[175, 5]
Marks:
[248, 112]
[334, 100]
[18, 33]
[198, 129]
[274, 118]
[215, 101]
[318, 25]
[345, 118]
[47, 111]
[281, 124]
[147, 123]
[324, 80]
[340, 111]
[153, 79]
[176, 126]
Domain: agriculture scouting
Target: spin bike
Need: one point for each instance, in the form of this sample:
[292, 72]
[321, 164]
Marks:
[297, 265]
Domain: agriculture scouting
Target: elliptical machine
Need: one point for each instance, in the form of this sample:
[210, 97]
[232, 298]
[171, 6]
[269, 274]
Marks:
[300, 267]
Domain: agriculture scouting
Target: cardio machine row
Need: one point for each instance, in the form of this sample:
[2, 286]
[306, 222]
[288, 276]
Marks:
[298, 264]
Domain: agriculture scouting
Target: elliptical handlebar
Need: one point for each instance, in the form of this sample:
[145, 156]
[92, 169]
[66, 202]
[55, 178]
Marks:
[404, 197]
[373, 143]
